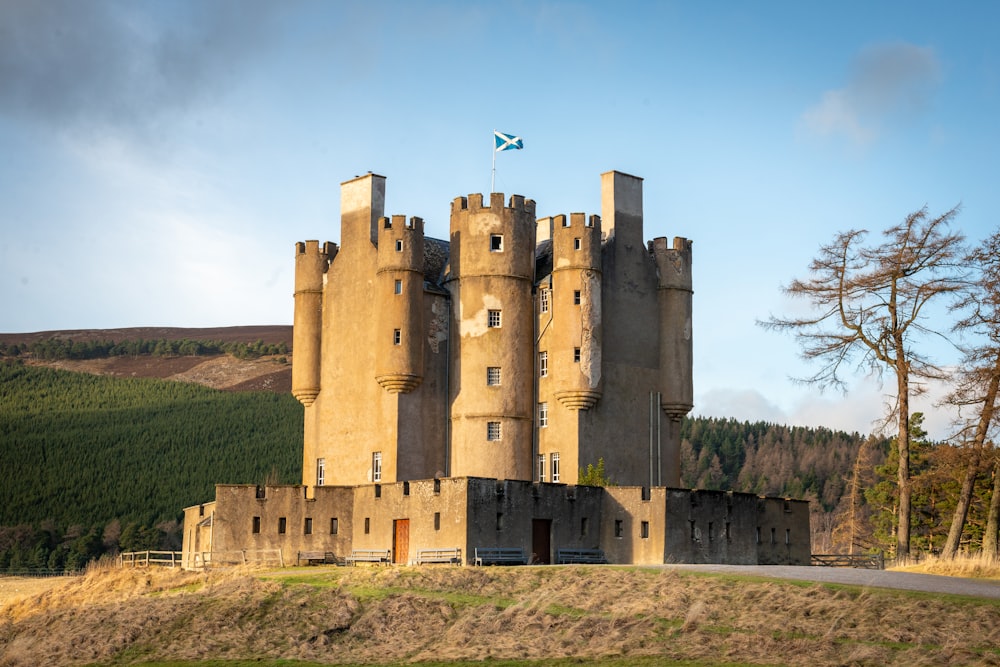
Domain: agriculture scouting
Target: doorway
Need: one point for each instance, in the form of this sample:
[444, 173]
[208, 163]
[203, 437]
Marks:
[541, 541]
[400, 541]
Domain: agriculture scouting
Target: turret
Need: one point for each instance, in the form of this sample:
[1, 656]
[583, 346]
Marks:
[492, 350]
[399, 288]
[311, 264]
[575, 342]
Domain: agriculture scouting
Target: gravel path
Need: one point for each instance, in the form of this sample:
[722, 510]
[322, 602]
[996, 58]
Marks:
[909, 581]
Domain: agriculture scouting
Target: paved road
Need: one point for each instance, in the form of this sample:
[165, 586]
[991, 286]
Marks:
[909, 581]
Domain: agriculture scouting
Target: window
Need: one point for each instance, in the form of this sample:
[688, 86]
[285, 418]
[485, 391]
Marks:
[492, 431]
[583, 527]
[554, 466]
[543, 364]
[496, 242]
[377, 467]
[499, 521]
[788, 535]
[644, 530]
[619, 527]
[711, 531]
[368, 525]
[772, 537]
[308, 528]
[378, 490]
[282, 523]
[576, 355]
[437, 520]
[694, 531]
[576, 297]
[728, 534]
[541, 467]
[543, 300]
[493, 376]
[437, 485]
[320, 471]
[543, 415]
[334, 525]
[397, 336]
[256, 525]
[493, 319]
[398, 287]
[758, 534]
[406, 488]
[576, 243]
[399, 245]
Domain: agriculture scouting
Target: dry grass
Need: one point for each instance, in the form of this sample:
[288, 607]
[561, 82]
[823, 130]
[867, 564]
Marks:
[973, 566]
[399, 615]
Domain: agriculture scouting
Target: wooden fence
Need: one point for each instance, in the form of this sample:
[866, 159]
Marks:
[864, 561]
[147, 558]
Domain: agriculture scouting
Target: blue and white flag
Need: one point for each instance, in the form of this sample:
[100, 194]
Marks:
[507, 142]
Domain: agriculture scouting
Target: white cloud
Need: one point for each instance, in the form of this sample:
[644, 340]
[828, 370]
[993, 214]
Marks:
[886, 81]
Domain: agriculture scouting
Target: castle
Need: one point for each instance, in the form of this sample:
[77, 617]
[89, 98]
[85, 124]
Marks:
[453, 390]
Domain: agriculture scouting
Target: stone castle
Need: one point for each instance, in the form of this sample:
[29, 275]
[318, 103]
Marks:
[453, 391]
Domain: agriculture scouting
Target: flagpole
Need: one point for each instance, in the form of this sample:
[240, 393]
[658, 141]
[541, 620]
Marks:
[493, 177]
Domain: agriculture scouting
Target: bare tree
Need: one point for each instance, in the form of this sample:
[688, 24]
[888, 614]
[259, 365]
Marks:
[870, 304]
[978, 383]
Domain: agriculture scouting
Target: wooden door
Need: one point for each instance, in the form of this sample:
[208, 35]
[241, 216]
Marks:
[541, 541]
[400, 541]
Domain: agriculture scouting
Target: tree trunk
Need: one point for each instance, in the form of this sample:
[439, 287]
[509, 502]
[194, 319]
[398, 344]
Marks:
[903, 449]
[969, 483]
[990, 546]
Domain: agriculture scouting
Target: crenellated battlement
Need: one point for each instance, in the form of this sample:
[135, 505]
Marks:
[673, 264]
[398, 225]
[576, 242]
[474, 203]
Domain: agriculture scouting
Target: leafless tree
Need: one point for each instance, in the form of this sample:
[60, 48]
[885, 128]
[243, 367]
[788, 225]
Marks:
[870, 314]
[977, 385]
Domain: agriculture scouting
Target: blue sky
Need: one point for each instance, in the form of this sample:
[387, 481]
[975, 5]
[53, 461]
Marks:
[158, 160]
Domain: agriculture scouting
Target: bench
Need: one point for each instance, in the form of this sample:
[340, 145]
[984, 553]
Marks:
[575, 556]
[439, 556]
[500, 556]
[314, 557]
[370, 556]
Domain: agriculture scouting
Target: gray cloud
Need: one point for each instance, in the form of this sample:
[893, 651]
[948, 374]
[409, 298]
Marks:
[109, 62]
[887, 80]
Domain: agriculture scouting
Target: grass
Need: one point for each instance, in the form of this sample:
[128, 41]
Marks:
[973, 566]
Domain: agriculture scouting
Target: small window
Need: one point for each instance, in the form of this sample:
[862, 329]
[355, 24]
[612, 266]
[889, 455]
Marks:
[576, 355]
[576, 243]
[711, 531]
[554, 466]
[493, 376]
[773, 541]
[437, 520]
[758, 535]
[320, 472]
[543, 364]
[378, 490]
[644, 530]
[576, 297]
[493, 431]
[399, 245]
[282, 524]
[334, 525]
[541, 467]
[493, 319]
[307, 529]
[694, 531]
[377, 467]
[543, 415]
[728, 534]
[583, 527]
[543, 300]
[788, 535]
[256, 525]
[788, 506]
[406, 488]
[499, 521]
[619, 527]
[397, 336]
[398, 287]
[368, 525]
[437, 485]
[496, 242]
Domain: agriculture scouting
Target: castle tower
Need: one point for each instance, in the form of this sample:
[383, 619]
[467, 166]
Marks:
[575, 343]
[399, 288]
[674, 292]
[492, 259]
[311, 264]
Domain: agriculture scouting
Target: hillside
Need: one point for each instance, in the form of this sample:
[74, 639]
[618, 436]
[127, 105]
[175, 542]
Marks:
[559, 615]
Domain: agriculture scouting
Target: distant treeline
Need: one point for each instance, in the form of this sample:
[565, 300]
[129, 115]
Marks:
[93, 464]
[67, 348]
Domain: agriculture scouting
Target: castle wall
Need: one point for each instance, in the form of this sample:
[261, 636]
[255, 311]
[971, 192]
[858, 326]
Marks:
[712, 527]
[784, 535]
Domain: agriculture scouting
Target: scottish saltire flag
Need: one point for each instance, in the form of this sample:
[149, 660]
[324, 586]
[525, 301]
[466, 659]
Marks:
[507, 142]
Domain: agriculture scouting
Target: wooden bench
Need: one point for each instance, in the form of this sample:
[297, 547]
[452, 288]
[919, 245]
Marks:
[314, 557]
[381, 556]
[439, 556]
[500, 556]
[585, 556]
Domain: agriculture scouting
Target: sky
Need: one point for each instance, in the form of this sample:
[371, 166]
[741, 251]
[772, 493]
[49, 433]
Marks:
[159, 160]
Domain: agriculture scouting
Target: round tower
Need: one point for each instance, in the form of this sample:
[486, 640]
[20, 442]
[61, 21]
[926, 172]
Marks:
[575, 347]
[399, 291]
[311, 263]
[492, 262]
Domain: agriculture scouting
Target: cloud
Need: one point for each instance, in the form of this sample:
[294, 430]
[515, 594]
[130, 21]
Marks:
[886, 81]
[107, 63]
